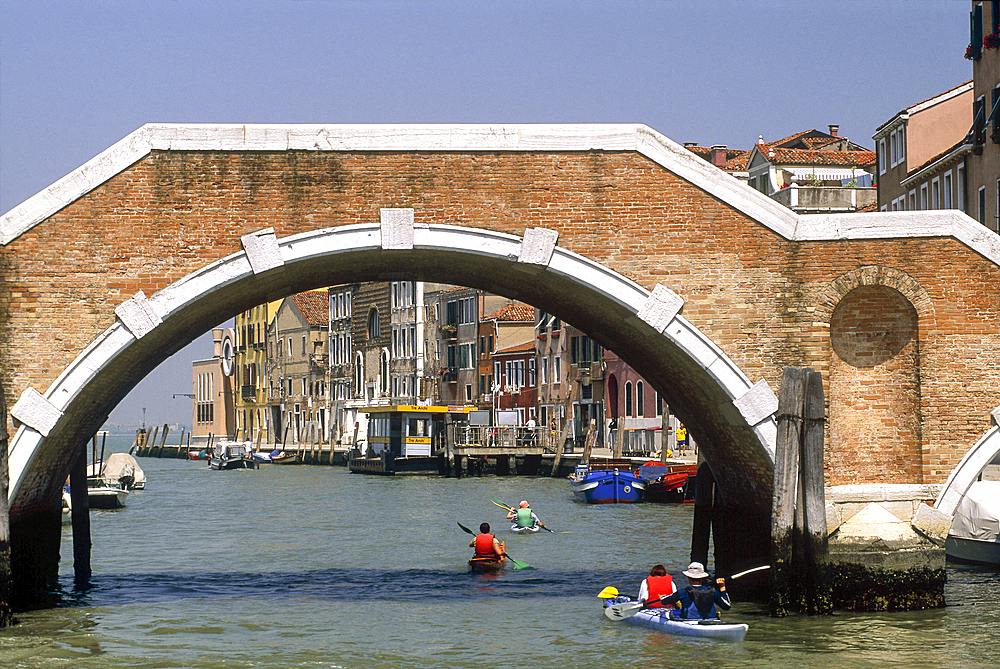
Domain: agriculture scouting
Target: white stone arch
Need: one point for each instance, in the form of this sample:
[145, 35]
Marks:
[967, 471]
[269, 267]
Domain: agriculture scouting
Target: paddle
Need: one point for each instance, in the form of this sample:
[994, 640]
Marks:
[517, 565]
[504, 506]
[629, 609]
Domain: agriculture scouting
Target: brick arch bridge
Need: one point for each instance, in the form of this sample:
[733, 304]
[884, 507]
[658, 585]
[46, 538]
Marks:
[706, 286]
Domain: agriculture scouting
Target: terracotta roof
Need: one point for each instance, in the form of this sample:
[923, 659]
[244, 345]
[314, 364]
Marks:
[520, 348]
[736, 159]
[514, 313]
[820, 157]
[315, 306]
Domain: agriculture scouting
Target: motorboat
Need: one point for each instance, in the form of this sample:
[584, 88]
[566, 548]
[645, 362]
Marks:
[103, 494]
[232, 455]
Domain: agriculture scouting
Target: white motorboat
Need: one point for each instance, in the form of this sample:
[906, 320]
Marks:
[232, 455]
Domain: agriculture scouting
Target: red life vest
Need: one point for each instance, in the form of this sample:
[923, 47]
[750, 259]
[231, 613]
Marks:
[484, 547]
[657, 586]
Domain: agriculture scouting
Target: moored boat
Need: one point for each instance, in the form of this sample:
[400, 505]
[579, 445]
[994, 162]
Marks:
[661, 619]
[974, 537]
[232, 455]
[668, 483]
[105, 494]
[606, 487]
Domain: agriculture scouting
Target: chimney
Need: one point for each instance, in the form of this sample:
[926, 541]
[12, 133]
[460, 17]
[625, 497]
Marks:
[717, 155]
[834, 129]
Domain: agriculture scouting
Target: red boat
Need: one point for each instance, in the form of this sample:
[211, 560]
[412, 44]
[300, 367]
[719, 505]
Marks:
[667, 483]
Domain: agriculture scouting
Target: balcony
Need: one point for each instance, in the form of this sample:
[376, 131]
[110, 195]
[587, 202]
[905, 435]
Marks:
[826, 199]
[248, 393]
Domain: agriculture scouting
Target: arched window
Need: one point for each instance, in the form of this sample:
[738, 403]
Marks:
[359, 375]
[373, 324]
[384, 371]
[638, 398]
[629, 405]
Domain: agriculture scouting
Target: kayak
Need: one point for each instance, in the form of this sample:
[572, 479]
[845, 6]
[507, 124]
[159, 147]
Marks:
[522, 530]
[661, 620]
[481, 566]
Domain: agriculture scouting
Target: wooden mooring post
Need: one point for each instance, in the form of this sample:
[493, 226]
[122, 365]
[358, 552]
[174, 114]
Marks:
[6, 576]
[800, 580]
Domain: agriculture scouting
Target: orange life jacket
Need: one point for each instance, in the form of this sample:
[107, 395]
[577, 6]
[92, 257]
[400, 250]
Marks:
[484, 547]
[657, 586]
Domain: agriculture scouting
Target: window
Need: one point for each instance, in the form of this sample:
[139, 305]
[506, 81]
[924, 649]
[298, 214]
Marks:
[892, 149]
[531, 372]
[629, 406]
[638, 399]
[935, 193]
[960, 187]
[359, 375]
[545, 370]
[373, 324]
[468, 392]
[946, 191]
[923, 198]
[489, 344]
[901, 149]
[976, 32]
[557, 369]
[384, 371]
[982, 205]
[574, 350]
[881, 156]
[303, 344]
[913, 200]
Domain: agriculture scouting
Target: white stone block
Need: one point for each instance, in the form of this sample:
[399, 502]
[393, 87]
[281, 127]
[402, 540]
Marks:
[138, 315]
[262, 250]
[35, 411]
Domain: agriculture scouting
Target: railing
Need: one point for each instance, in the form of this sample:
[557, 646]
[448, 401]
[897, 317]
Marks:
[507, 436]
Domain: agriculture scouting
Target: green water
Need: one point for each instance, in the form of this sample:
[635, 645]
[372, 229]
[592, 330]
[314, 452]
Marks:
[313, 567]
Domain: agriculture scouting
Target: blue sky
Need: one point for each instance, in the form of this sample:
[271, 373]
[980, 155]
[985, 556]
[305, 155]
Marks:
[77, 77]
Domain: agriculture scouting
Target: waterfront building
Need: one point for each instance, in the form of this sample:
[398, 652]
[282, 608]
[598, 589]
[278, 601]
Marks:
[250, 362]
[921, 159]
[515, 387]
[214, 411]
[585, 374]
[944, 152]
[635, 410]
[297, 369]
[453, 315]
[508, 328]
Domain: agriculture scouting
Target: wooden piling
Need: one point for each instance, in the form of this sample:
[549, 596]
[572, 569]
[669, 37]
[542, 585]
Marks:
[6, 575]
[80, 504]
[798, 514]
[704, 503]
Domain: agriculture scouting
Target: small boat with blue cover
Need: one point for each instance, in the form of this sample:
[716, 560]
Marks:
[606, 487]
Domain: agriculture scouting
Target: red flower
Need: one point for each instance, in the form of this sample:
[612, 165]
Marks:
[992, 41]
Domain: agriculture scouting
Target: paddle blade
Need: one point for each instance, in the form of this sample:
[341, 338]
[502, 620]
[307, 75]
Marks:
[518, 565]
[467, 529]
[608, 592]
[622, 611]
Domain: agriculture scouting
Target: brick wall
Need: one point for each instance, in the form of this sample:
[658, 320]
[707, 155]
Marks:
[765, 301]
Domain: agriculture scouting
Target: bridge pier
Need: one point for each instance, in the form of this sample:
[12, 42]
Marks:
[80, 502]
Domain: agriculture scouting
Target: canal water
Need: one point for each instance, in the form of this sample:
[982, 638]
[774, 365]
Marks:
[313, 567]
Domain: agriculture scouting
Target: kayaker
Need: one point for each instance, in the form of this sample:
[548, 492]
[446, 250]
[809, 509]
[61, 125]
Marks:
[658, 584]
[698, 600]
[486, 545]
[523, 516]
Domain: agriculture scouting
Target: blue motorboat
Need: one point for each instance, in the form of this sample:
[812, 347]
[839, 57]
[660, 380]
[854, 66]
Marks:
[606, 487]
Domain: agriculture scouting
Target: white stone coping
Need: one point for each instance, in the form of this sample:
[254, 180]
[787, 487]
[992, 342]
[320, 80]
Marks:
[334, 241]
[496, 138]
[882, 492]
